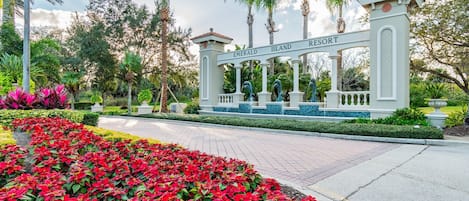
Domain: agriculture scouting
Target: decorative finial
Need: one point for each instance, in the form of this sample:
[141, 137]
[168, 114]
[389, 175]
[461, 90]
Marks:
[211, 29]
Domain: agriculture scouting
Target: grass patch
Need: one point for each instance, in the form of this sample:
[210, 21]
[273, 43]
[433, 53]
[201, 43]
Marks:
[6, 137]
[378, 130]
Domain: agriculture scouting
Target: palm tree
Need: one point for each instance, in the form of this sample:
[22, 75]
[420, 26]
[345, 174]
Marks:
[10, 9]
[130, 66]
[165, 17]
[333, 6]
[72, 81]
[250, 19]
[305, 12]
[270, 6]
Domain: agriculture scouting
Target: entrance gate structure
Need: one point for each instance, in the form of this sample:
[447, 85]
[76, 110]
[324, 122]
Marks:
[387, 39]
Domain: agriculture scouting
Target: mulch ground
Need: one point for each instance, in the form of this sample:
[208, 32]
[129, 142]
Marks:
[459, 131]
[292, 193]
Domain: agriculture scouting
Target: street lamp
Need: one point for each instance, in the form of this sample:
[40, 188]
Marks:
[26, 50]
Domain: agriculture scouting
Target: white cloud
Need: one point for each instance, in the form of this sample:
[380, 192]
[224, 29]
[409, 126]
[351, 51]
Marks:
[49, 18]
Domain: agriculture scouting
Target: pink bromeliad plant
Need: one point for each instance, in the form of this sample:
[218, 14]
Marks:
[46, 98]
[19, 100]
[52, 98]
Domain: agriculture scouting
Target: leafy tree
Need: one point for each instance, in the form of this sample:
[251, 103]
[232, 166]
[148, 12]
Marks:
[10, 40]
[441, 30]
[129, 67]
[45, 54]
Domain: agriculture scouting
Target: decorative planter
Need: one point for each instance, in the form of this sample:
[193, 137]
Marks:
[144, 108]
[437, 104]
[97, 108]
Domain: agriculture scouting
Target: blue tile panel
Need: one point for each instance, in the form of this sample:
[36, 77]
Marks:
[273, 109]
[304, 110]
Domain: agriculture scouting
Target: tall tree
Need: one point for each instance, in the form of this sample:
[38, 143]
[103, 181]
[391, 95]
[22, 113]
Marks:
[165, 17]
[338, 6]
[305, 10]
[270, 5]
[129, 68]
[441, 31]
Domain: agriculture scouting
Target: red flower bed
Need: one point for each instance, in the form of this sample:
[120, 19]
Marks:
[71, 163]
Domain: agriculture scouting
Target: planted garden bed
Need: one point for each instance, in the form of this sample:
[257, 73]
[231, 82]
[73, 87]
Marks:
[72, 163]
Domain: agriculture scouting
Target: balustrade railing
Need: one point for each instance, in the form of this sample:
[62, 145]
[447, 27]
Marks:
[354, 99]
[225, 99]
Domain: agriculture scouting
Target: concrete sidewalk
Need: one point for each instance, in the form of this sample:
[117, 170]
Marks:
[330, 169]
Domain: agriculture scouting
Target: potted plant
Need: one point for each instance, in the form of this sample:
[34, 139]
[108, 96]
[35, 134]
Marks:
[436, 93]
[96, 99]
[144, 97]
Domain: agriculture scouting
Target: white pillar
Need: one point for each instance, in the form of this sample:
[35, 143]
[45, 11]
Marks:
[238, 79]
[264, 95]
[296, 96]
[334, 73]
[238, 96]
[296, 75]
[333, 94]
[264, 77]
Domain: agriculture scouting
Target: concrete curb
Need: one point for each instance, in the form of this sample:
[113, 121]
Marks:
[316, 134]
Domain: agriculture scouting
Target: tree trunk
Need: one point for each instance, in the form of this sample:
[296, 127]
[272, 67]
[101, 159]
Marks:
[250, 22]
[129, 99]
[271, 40]
[73, 102]
[339, 53]
[305, 36]
[164, 57]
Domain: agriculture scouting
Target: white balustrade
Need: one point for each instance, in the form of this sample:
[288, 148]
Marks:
[354, 99]
[225, 99]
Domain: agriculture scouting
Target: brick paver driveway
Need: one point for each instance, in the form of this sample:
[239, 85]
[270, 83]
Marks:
[302, 160]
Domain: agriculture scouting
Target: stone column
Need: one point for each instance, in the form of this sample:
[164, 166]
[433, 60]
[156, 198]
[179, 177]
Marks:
[296, 96]
[238, 79]
[264, 95]
[238, 96]
[333, 94]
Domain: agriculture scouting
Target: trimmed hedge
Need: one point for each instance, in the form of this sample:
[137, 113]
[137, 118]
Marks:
[83, 105]
[378, 130]
[88, 118]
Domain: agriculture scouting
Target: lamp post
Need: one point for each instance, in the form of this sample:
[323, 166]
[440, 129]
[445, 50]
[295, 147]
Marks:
[26, 50]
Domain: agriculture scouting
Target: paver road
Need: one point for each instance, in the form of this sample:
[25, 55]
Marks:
[300, 160]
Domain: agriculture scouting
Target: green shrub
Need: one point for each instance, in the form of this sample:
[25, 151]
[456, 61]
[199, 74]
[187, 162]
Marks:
[418, 95]
[96, 98]
[90, 118]
[83, 105]
[406, 116]
[377, 130]
[456, 118]
[7, 116]
[436, 90]
[145, 95]
[192, 108]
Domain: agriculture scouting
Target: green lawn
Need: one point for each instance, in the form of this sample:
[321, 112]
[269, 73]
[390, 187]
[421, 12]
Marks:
[447, 110]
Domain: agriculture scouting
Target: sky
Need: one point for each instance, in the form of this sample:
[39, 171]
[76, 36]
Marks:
[225, 17]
